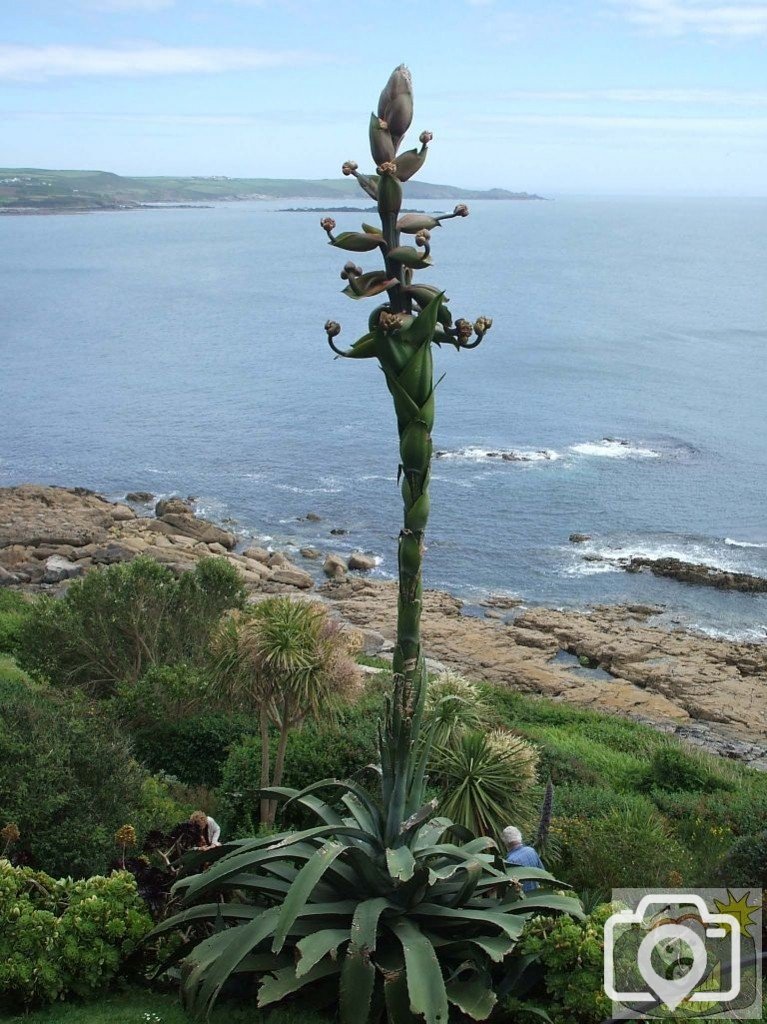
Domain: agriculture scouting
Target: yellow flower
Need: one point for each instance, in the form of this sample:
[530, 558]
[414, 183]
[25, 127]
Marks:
[126, 835]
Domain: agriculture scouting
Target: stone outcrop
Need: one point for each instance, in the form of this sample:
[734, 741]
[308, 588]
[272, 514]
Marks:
[702, 575]
[709, 692]
[670, 678]
[51, 535]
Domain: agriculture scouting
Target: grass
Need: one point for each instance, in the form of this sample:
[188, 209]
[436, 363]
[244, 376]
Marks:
[137, 1006]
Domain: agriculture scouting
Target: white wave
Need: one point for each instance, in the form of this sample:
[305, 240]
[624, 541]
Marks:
[476, 454]
[588, 568]
[608, 448]
[743, 544]
[740, 636]
[308, 490]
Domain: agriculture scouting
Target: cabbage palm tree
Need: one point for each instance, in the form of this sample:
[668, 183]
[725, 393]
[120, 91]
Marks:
[287, 661]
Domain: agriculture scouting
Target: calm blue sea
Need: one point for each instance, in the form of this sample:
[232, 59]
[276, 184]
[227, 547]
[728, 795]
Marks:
[183, 351]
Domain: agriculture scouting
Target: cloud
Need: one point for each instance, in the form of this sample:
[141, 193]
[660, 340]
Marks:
[36, 63]
[742, 20]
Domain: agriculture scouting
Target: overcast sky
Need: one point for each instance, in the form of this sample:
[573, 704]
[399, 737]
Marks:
[608, 96]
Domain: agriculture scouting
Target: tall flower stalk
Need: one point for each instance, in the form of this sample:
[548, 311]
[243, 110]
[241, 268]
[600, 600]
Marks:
[401, 333]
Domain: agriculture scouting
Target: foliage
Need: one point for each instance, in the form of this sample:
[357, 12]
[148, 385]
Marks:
[337, 749]
[195, 749]
[485, 780]
[571, 954]
[288, 661]
[164, 694]
[746, 863]
[455, 705]
[678, 769]
[412, 920]
[627, 847]
[113, 625]
[15, 608]
[60, 938]
[68, 780]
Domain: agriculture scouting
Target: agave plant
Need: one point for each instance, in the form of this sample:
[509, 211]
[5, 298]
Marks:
[386, 908]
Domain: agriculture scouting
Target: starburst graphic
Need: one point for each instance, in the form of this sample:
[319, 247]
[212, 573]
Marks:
[740, 909]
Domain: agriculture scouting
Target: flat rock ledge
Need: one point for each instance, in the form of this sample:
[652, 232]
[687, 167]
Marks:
[712, 693]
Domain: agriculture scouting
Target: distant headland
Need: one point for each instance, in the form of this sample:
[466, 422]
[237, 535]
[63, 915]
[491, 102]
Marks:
[25, 190]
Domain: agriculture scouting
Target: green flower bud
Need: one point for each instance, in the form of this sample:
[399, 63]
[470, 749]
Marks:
[328, 226]
[348, 167]
[332, 329]
[381, 144]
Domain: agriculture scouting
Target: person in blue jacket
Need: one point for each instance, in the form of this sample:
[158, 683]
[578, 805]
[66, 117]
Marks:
[519, 855]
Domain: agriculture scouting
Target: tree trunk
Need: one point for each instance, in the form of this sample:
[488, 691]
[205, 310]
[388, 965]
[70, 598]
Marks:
[265, 765]
[279, 765]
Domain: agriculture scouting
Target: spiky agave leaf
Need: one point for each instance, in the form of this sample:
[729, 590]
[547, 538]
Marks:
[334, 900]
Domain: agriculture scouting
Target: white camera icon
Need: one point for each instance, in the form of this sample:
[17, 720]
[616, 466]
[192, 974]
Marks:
[672, 991]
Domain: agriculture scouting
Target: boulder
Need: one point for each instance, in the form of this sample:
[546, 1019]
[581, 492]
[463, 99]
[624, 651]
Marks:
[311, 553]
[113, 553]
[139, 497]
[334, 566]
[7, 579]
[199, 529]
[173, 506]
[276, 558]
[257, 554]
[58, 568]
[361, 562]
[312, 517]
[338, 531]
[292, 577]
[579, 538]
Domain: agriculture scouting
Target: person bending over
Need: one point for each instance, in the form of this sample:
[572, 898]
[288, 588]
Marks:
[210, 831]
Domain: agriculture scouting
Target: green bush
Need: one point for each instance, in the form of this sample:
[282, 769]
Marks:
[61, 938]
[14, 610]
[746, 862]
[164, 694]
[115, 624]
[571, 954]
[68, 779]
[629, 847]
[192, 750]
[314, 752]
[678, 769]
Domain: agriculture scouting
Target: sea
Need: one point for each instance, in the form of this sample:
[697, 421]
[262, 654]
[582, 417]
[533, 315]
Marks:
[625, 379]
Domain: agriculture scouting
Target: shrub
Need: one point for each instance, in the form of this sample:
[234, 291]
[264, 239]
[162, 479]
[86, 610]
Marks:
[571, 954]
[674, 768]
[115, 624]
[14, 610]
[60, 938]
[192, 750]
[485, 780]
[318, 750]
[164, 694]
[68, 780]
[630, 846]
[746, 862]
[454, 704]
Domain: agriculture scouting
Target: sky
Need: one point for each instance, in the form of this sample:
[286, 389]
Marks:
[602, 97]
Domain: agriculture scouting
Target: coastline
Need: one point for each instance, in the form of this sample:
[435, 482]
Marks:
[609, 658]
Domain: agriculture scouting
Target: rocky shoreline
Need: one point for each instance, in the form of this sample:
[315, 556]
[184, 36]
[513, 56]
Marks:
[710, 692]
